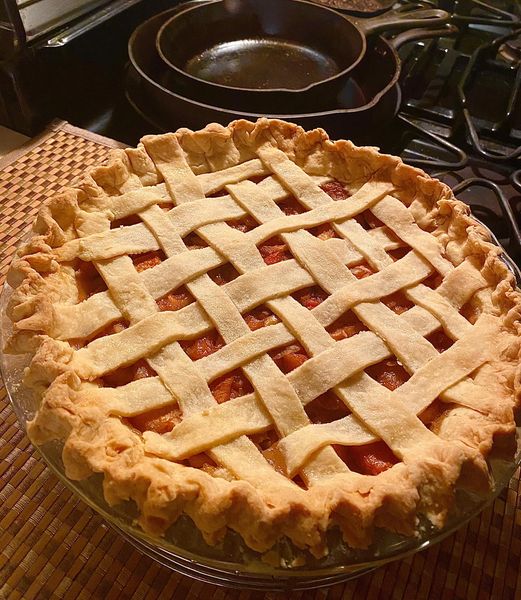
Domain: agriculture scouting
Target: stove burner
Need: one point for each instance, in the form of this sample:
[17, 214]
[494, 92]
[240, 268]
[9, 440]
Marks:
[460, 118]
[444, 147]
[475, 67]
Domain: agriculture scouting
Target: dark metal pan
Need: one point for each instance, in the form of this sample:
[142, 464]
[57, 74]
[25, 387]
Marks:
[189, 114]
[376, 79]
[274, 46]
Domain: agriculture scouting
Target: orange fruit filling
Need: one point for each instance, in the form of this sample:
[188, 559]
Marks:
[246, 224]
[174, 300]
[326, 408]
[224, 274]
[229, 386]
[370, 459]
[361, 271]
[397, 302]
[311, 297]
[124, 375]
[335, 190]
[289, 357]
[194, 242]
[432, 412]
[440, 340]
[88, 280]
[159, 420]
[260, 317]
[324, 231]
[204, 346]
[388, 373]
[470, 311]
[368, 221]
[291, 206]
[147, 260]
[274, 250]
[346, 326]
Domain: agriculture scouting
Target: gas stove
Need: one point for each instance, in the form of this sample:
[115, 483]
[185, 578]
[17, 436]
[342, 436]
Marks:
[460, 115]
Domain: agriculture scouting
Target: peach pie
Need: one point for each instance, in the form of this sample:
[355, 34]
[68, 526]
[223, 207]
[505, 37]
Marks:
[269, 332]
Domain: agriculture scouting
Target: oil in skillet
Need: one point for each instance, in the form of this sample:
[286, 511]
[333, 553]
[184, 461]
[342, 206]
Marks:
[262, 63]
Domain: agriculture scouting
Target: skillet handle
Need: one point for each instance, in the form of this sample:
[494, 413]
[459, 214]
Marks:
[419, 34]
[404, 17]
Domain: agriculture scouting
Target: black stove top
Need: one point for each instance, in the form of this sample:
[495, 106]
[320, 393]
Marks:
[460, 115]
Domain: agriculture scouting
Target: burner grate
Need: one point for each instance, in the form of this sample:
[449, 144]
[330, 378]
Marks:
[466, 89]
[484, 13]
[434, 151]
[516, 179]
[473, 70]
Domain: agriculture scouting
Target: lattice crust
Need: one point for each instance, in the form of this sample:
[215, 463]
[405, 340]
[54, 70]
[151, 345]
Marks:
[151, 200]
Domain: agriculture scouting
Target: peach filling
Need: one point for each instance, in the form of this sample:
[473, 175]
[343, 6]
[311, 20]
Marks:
[370, 459]
[174, 300]
[88, 280]
[335, 190]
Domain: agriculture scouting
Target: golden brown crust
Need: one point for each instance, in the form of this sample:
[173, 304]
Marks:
[98, 442]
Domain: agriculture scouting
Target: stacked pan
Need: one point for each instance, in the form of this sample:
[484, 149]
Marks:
[215, 61]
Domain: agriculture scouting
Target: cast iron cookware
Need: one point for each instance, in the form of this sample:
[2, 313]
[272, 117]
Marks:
[281, 48]
[363, 101]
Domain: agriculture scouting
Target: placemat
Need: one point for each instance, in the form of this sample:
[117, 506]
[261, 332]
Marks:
[54, 546]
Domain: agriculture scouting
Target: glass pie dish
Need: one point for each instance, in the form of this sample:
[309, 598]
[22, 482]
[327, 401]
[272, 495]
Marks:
[231, 562]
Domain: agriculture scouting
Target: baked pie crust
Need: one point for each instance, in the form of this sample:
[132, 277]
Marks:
[270, 332]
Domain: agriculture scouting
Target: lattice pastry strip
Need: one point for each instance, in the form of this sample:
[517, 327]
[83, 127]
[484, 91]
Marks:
[202, 431]
[328, 336]
[134, 239]
[415, 395]
[181, 377]
[410, 347]
[269, 206]
[97, 311]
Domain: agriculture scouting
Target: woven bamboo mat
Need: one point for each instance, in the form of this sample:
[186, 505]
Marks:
[54, 546]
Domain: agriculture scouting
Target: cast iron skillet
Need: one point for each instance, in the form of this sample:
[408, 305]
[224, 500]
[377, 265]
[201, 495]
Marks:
[274, 46]
[183, 112]
[375, 80]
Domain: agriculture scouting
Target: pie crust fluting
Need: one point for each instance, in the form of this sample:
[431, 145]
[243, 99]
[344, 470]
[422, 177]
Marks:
[270, 332]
